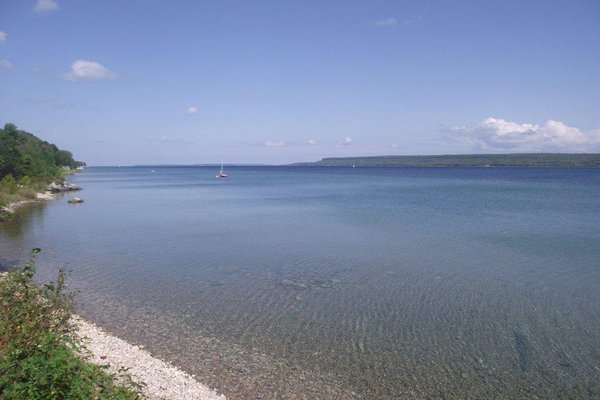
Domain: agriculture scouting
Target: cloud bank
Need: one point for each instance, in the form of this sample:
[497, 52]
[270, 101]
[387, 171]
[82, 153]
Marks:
[88, 70]
[3, 37]
[192, 110]
[495, 134]
[43, 6]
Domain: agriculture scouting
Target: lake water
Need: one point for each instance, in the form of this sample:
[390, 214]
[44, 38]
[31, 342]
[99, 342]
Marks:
[339, 283]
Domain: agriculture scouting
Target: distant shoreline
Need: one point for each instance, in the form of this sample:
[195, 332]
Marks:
[541, 160]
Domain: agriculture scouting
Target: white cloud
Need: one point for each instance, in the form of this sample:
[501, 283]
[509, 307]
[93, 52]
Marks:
[6, 65]
[46, 6]
[277, 143]
[347, 141]
[3, 36]
[497, 134]
[387, 22]
[312, 142]
[192, 110]
[88, 70]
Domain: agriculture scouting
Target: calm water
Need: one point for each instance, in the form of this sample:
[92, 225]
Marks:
[339, 283]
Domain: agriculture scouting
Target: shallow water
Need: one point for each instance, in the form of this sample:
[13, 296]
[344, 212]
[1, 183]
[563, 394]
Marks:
[283, 282]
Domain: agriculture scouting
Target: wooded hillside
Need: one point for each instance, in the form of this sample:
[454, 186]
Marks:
[23, 155]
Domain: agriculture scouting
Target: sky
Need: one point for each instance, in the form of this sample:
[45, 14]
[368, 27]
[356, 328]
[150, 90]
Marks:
[273, 82]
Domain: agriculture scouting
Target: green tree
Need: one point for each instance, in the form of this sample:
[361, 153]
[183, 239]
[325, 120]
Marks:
[23, 154]
[9, 152]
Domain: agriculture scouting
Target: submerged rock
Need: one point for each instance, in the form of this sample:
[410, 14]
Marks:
[523, 350]
[294, 284]
[75, 200]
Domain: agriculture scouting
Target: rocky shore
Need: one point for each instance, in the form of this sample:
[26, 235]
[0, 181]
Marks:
[12, 207]
[160, 379]
[48, 194]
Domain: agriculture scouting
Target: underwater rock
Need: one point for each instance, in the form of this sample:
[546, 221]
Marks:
[294, 284]
[523, 350]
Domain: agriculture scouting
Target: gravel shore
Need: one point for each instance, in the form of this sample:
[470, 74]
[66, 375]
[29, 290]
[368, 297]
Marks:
[162, 380]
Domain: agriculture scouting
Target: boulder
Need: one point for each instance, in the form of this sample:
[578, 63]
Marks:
[65, 187]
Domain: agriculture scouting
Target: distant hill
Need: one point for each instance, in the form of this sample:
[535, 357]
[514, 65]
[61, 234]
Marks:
[588, 160]
[22, 154]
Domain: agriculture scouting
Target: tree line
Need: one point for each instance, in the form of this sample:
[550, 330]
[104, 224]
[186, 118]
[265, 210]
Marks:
[25, 157]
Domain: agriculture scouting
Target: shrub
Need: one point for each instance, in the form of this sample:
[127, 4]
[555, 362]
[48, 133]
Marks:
[9, 184]
[25, 181]
[38, 352]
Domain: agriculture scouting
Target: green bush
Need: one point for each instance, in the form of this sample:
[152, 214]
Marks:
[25, 181]
[39, 353]
[8, 184]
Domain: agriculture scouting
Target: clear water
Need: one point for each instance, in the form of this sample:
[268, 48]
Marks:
[281, 282]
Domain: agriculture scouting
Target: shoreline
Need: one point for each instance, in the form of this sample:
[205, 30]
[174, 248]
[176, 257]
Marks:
[46, 195]
[161, 380]
[11, 208]
[157, 379]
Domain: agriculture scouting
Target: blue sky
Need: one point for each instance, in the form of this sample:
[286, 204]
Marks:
[146, 82]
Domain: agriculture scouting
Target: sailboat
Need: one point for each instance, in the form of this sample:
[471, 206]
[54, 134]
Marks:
[222, 174]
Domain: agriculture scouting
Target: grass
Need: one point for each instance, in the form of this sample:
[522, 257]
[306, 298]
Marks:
[12, 190]
[40, 357]
[25, 193]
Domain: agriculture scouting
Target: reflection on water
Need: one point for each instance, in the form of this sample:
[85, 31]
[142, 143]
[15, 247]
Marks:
[341, 283]
[16, 228]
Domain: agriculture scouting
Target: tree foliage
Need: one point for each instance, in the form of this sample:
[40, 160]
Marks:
[25, 155]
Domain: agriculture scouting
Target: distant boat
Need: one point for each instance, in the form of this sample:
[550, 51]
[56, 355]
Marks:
[222, 174]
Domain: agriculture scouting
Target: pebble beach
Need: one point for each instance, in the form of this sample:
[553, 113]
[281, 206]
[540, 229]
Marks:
[160, 379]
